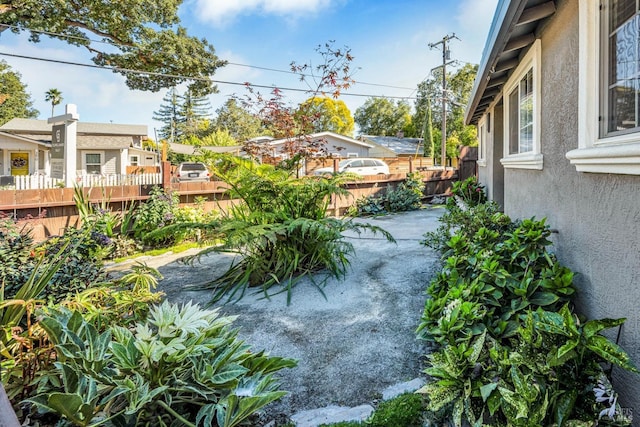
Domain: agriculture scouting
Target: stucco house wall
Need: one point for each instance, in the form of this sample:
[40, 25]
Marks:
[596, 215]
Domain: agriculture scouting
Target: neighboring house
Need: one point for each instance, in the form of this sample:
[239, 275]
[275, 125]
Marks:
[557, 106]
[192, 149]
[393, 146]
[336, 145]
[101, 148]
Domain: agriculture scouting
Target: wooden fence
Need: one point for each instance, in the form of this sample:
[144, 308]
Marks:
[55, 208]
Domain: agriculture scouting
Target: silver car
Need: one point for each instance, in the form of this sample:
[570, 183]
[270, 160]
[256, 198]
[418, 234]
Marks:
[358, 166]
[192, 171]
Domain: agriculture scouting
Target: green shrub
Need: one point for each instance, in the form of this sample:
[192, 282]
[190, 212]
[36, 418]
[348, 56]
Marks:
[183, 366]
[406, 197]
[16, 253]
[511, 351]
[158, 211]
[406, 410]
[280, 230]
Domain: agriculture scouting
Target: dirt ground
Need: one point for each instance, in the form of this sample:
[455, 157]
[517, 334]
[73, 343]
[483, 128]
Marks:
[351, 345]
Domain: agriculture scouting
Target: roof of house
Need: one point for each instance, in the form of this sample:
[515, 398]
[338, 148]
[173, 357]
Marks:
[190, 149]
[402, 146]
[326, 134]
[514, 28]
[39, 127]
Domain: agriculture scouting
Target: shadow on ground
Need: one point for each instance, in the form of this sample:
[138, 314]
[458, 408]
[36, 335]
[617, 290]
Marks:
[351, 345]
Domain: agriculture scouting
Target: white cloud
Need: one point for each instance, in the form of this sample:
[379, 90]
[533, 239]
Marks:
[219, 12]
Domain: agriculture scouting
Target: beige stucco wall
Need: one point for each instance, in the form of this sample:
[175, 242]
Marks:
[597, 215]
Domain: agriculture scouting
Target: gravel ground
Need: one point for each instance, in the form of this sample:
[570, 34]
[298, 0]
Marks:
[351, 345]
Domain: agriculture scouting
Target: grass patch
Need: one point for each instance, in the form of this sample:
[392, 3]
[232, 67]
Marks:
[406, 410]
[182, 247]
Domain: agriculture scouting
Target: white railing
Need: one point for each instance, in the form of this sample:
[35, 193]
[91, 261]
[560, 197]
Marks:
[33, 182]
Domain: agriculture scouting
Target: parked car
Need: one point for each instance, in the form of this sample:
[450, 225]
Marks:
[192, 171]
[358, 166]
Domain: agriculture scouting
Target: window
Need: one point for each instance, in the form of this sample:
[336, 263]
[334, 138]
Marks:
[482, 140]
[133, 160]
[351, 155]
[93, 163]
[522, 114]
[609, 88]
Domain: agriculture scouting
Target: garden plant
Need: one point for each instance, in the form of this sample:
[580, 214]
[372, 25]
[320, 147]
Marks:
[510, 348]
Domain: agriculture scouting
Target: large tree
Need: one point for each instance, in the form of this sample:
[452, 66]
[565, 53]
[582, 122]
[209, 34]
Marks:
[183, 116]
[14, 99]
[241, 124]
[382, 117]
[459, 86]
[141, 35]
[326, 114]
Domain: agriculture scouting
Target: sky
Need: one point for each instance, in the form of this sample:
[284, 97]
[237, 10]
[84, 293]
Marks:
[389, 40]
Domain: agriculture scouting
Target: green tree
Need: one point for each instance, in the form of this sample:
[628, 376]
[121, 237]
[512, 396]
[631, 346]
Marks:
[241, 124]
[459, 86]
[428, 145]
[382, 116]
[327, 114]
[143, 35]
[14, 99]
[168, 115]
[183, 116]
[54, 96]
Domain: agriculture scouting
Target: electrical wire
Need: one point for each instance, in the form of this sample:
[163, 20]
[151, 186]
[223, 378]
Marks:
[175, 76]
[256, 67]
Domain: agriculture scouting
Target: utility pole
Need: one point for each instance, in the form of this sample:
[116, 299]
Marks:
[446, 56]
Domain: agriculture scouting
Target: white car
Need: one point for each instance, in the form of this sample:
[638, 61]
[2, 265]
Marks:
[192, 171]
[358, 166]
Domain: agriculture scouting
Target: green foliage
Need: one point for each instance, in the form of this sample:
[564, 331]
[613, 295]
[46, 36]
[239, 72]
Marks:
[405, 410]
[511, 349]
[326, 114]
[279, 231]
[54, 96]
[15, 102]
[138, 35]
[406, 196]
[381, 116]
[158, 211]
[241, 124]
[183, 365]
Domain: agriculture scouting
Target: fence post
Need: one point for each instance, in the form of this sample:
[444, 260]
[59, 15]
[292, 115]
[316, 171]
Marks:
[166, 174]
[410, 164]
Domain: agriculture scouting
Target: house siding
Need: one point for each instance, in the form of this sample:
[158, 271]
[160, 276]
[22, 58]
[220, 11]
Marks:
[111, 162]
[597, 216]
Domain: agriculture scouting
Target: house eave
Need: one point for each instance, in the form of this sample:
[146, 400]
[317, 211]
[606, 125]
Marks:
[513, 30]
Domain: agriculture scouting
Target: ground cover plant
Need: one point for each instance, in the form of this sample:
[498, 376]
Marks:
[279, 230]
[510, 348]
[112, 355]
[406, 197]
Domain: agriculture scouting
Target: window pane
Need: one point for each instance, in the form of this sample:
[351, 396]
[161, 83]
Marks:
[526, 113]
[93, 169]
[622, 64]
[513, 122]
[92, 159]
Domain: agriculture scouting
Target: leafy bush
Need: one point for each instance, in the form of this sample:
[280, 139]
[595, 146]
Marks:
[511, 352]
[406, 197]
[279, 231]
[158, 211]
[16, 252]
[183, 366]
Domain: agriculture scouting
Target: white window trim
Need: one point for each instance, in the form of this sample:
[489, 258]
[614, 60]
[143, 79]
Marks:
[482, 141]
[532, 159]
[617, 154]
[84, 161]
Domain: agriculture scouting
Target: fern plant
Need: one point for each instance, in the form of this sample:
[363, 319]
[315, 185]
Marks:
[280, 230]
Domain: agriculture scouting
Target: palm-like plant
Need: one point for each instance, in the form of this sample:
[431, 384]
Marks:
[280, 230]
[54, 96]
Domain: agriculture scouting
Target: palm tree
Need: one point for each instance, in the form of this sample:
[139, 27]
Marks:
[55, 96]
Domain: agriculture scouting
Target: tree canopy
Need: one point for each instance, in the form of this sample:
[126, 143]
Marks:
[183, 116]
[241, 124]
[14, 99]
[383, 117]
[327, 114]
[141, 35]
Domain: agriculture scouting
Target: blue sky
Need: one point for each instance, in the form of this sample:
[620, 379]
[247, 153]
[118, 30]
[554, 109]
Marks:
[388, 39]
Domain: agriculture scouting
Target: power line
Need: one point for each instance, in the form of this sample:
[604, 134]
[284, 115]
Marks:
[176, 76]
[257, 67]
